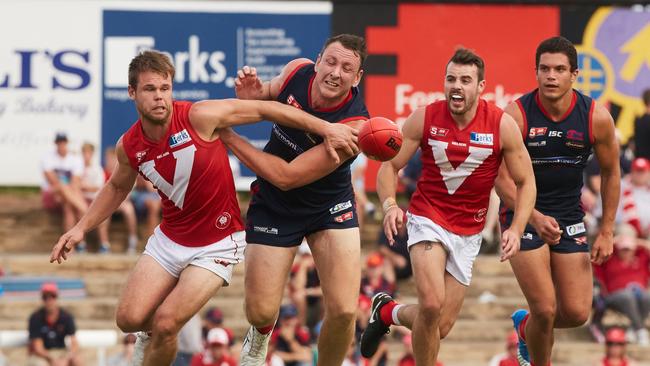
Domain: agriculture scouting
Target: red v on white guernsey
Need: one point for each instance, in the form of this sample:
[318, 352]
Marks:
[174, 191]
[454, 177]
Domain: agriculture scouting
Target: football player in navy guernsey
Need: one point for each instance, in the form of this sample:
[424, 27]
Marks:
[560, 127]
[314, 198]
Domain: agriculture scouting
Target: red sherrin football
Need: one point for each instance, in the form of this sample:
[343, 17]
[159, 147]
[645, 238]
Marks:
[380, 139]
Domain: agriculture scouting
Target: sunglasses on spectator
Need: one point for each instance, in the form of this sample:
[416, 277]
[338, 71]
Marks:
[49, 296]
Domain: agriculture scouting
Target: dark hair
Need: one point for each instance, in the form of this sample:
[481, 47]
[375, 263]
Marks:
[464, 56]
[558, 45]
[646, 97]
[150, 60]
[351, 42]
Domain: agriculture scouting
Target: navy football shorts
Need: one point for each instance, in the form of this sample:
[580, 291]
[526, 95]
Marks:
[573, 239]
[267, 226]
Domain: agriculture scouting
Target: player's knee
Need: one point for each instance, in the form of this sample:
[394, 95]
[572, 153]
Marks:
[576, 316]
[260, 315]
[341, 317]
[544, 313]
[128, 322]
[165, 325]
[430, 310]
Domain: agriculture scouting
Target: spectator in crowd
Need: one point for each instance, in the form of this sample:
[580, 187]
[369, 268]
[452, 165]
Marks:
[52, 340]
[125, 357]
[411, 173]
[635, 199]
[397, 255]
[126, 207]
[214, 319]
[304, 288]
[216, 352]
[642, 129]
[615, 349]
[624, 282]
[92, 181]
[376, 277]
[292, 339]
[190, 341]
[61, 188]
[509, 357]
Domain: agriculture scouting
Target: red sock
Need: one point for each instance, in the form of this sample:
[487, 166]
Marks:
[522, 329]
[386, 313]
[267, 329]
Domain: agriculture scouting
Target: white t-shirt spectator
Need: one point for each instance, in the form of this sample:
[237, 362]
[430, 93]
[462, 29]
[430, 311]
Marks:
[63, 166]
[93, 176]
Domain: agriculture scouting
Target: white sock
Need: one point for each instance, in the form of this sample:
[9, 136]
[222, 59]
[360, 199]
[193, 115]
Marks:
[395, 317]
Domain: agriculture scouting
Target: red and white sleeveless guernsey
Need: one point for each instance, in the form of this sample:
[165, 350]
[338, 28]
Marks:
[458, 168]
[193, 178]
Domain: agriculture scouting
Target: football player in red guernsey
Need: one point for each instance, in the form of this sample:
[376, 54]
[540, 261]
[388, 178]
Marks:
[463, 140]
[176, 146]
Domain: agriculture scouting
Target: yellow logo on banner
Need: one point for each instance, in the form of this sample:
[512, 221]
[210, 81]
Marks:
[614, 61]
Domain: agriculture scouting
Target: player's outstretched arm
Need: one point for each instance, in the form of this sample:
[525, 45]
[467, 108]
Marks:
[387, 174]
[107, 201]
[520, 169]
[546, 226]
[308, 167]
[607, 151]
[210, 115]
[248, 85]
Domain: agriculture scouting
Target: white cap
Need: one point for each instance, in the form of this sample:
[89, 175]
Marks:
[218, 336]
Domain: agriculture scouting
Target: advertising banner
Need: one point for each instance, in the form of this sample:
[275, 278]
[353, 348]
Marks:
[49, 82]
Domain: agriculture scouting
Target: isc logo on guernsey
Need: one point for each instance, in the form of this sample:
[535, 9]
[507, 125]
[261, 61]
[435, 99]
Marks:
[192, 65]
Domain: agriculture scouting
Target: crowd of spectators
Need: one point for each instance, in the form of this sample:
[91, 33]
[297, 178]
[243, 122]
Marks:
[71, 181]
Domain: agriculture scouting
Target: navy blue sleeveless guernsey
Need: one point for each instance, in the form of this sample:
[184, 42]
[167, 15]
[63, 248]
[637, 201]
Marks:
[559, 152]
[288, 143]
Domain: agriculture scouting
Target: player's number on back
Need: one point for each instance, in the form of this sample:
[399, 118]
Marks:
[175, 191]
